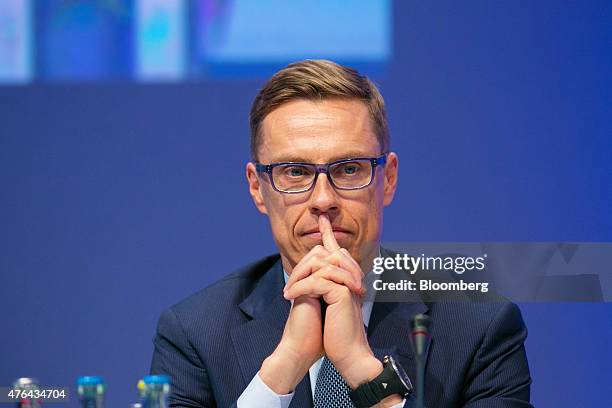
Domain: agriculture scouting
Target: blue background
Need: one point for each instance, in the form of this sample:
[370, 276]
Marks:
[119, 199]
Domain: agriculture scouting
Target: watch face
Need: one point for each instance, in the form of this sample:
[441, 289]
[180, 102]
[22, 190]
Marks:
[401, 374]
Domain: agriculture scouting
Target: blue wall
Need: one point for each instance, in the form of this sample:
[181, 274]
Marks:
[119, 199]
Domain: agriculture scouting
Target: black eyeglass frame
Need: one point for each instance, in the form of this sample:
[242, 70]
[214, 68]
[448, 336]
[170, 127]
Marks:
[321, 168]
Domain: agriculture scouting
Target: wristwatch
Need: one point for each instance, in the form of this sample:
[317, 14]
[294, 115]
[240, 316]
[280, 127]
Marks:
[392, 380]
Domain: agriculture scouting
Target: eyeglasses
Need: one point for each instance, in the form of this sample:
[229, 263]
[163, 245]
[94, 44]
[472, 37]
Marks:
[297, 177]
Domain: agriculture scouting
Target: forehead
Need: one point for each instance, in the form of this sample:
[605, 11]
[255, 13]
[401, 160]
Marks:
[318, 131]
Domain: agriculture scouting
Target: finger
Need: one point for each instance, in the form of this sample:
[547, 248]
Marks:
[340, 276]
[312, 261]
[351, 276]
[328, 272]
[305, 269]
[318, 257]
[316, 287]
[348, 255]
[327, 233]
[343, 259]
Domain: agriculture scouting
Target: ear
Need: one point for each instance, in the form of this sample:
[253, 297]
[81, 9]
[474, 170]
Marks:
[255, 187]
[390, 182]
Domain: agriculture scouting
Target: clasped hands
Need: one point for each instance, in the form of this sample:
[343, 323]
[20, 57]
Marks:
[327, 272]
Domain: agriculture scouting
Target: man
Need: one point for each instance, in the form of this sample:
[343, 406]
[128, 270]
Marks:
[301, 329]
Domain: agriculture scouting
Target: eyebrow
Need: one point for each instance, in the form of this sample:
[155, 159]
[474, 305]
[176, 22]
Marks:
[301, 159]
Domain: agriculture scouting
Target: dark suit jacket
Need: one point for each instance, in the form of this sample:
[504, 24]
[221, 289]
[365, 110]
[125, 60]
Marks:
[213, 343]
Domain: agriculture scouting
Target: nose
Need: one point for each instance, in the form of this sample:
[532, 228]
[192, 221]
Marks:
[324, 198]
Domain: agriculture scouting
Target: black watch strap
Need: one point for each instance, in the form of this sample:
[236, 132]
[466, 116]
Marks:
[366, 395]
[387, 383]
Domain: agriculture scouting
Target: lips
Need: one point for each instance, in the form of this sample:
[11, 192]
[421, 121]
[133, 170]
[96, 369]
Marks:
[334, 229]
[341, 234]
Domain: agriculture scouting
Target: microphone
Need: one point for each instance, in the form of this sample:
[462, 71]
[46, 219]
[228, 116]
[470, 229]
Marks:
[420, 340]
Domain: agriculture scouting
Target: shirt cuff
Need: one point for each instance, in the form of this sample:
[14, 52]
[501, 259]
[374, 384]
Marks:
[400, 405]
[258, 395]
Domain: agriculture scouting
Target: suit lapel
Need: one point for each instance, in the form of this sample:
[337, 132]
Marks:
[256, 339]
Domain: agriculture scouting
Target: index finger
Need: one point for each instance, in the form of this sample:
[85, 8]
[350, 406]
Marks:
[327, 233]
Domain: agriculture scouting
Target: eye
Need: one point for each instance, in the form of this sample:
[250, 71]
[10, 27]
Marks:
[350, 169]
[296, 171]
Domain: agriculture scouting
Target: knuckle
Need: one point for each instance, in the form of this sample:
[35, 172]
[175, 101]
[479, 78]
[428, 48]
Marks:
[317, 256]
[338, 253]
[328, 268]
[319, 249]
[358, 284]
[344, 291]
[334, 259]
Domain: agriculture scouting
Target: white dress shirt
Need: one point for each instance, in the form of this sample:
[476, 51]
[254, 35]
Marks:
[258, 395]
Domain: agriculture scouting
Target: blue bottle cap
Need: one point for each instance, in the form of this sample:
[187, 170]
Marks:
[157, 379]
[90, 380]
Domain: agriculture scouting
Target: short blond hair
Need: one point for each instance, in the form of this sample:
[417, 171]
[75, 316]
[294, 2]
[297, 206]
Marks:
[316, 80]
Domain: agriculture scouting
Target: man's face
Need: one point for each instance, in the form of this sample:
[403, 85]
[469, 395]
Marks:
[322, 132]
